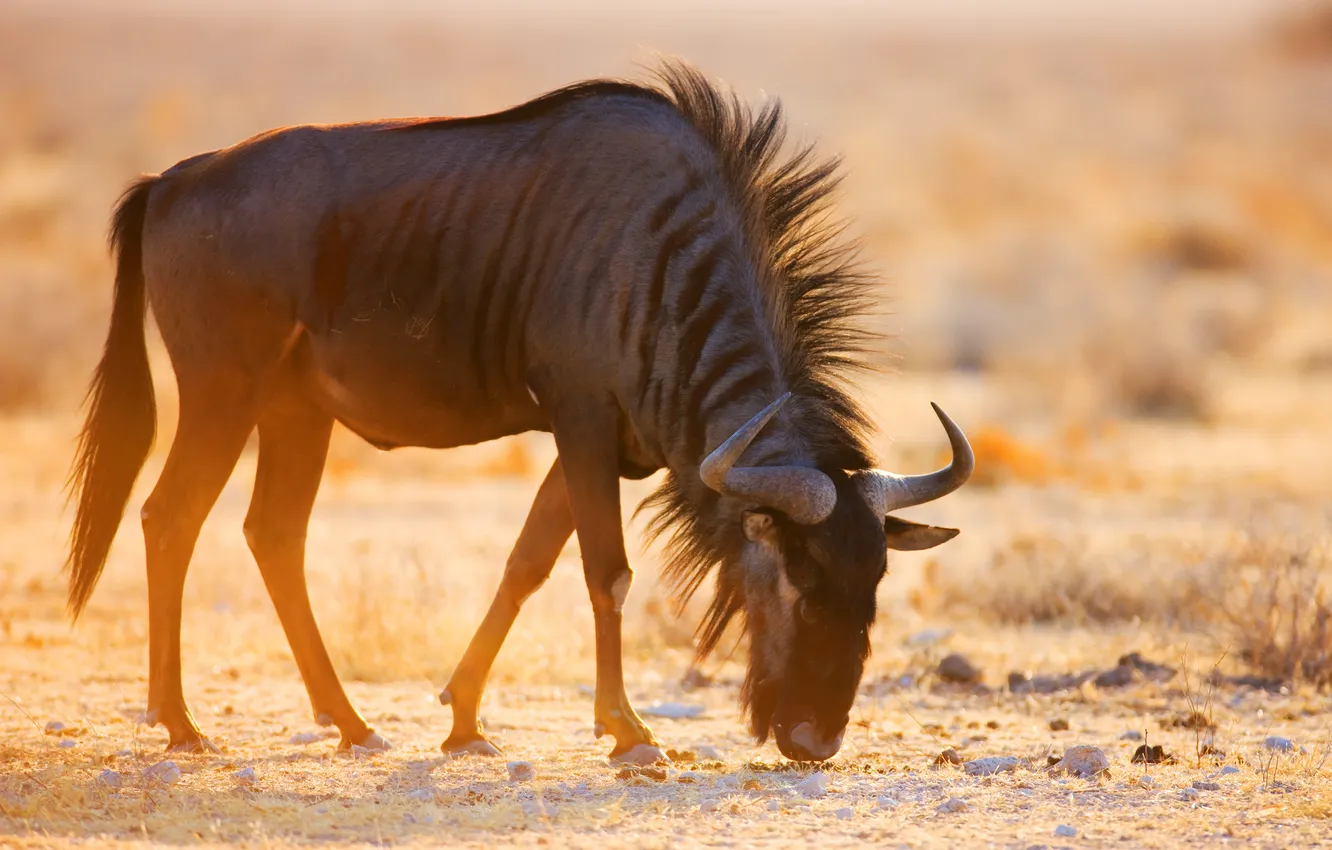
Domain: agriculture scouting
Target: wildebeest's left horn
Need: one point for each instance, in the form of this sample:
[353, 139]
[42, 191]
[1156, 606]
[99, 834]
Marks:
[887, 491]
[805, 495]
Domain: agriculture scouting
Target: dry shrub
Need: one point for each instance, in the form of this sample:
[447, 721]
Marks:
[1048, 580]
[1269, 601]
[1002, 458]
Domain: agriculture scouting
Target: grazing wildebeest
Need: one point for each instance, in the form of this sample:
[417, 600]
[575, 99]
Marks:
[638, 270]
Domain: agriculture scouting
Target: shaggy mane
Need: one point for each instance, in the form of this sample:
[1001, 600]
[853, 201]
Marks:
[818, 292]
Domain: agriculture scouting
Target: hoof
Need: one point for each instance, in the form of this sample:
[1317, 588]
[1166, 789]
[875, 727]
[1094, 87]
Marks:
[193, 745]
[445, 697]
[641, 755]
[373, 741]
[472, 747]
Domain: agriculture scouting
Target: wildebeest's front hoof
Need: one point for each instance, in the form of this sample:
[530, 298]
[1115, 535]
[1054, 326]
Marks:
[373, 741]
[641, 755]
[193, 745]
[470, 747]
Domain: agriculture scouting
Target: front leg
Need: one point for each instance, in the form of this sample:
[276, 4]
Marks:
[586, 436]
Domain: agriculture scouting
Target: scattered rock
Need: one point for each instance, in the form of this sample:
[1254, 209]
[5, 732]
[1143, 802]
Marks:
[539, 808]
[948, 756]
[1153, 672]
[521, 771]
[1146, 782]
[66, 743]
[1229, 770]
[1192, 720]
[814, 785]
[953, 805]
[421, 795]
[929, 637]
[305, 738]
[164, 773]
[695, 679]
[709, 806]
[886, 802]
[774, 805]
[1120, 677]
[1025, 683]
[958, 669]
[1151, 755]
[245, 777]
[1085, 761]
[1065, 831]
[689, 777]
[710, 753]
[1271, 686]
[681, 755]
[654, 774]
[360, 752]
[674, 710]
[991, 765]
[1189, 795]
[1202, 785]
[55, 727]
[1131, 735]
[752, 785]
[110, 779]
[1278, 744]
[1059, 724]
[845, 813]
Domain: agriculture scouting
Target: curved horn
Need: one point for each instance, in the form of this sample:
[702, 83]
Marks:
[805, 495]
[887, 491]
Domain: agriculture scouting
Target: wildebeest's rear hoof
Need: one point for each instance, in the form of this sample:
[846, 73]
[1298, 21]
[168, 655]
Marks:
[193, 745]
[640, 754]
[470, 747]
[372, 741]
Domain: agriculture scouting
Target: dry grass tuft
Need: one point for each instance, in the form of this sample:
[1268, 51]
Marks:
[1271, 604]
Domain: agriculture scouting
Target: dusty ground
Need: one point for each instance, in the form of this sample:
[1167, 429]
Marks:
[1112, 263]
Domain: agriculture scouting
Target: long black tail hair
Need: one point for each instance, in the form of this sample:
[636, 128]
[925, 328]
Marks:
[122, 413]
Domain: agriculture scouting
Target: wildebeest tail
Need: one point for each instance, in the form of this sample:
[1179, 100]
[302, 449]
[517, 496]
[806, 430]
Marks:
[121, 411]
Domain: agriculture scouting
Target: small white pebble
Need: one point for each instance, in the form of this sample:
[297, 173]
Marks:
[66, 743]
[55, 727]
[886, 802]
[321, 810]
[845, 813]
[305, 738]
[689, 776]
[953, 804]
[730, 783]
[1131, 735]
[709, 752]
[1146, 781]
[521, 771]
[774, 805]
[110, 779]
[1229, 770]
[421, 795]
[165, 772]
[1278, 744]
[245, 777]
[709, 806]
[1065, 831]
[814, 785]
[1188, 795]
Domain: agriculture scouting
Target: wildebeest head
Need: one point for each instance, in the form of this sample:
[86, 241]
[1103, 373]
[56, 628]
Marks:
[815, 547]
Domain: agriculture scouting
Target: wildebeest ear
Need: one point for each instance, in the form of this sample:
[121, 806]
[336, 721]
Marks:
[907, 536]
[758, 525]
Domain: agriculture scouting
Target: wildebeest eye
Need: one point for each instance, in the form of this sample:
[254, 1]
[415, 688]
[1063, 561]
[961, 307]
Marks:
[806, 611]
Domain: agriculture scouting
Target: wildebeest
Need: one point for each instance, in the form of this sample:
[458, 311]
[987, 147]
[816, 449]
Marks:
[639, 269]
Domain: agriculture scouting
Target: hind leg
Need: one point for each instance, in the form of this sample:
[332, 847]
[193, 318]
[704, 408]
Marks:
[214, 425]
[293, 444]
[548, 527]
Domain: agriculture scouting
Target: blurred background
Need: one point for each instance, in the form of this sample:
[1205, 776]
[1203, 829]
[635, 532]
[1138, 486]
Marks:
[1104, 232]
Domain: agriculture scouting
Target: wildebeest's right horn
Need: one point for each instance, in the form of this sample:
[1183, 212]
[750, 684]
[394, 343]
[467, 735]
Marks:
[804, 494]
[887, 491]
